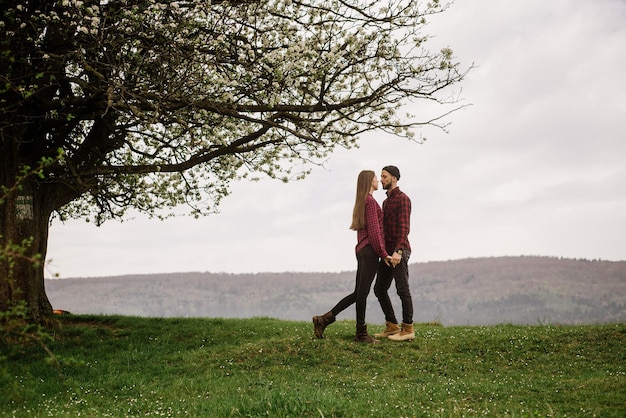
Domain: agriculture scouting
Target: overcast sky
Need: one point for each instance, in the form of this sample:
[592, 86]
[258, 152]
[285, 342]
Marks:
[535, 166]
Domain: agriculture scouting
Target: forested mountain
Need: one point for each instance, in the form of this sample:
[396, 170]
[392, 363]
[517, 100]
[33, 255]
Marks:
[482, 291]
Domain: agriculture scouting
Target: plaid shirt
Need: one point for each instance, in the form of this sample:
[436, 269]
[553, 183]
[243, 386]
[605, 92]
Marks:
[373, 232]
[397, 220]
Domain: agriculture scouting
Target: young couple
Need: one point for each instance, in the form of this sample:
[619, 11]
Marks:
[382, 251]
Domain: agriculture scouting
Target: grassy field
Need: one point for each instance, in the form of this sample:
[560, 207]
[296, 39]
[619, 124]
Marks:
[129, 366]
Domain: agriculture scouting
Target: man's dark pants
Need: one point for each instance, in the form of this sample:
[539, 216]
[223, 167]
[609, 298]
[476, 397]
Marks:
[385, 276]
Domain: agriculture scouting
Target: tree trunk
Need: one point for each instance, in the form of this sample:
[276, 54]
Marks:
[24, 223]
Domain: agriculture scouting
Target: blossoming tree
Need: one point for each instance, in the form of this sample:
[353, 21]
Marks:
[150, 104]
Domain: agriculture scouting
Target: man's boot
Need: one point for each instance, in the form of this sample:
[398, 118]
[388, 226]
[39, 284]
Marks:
[390, 329]
[363, 337]
[406, 334]
[321, 322]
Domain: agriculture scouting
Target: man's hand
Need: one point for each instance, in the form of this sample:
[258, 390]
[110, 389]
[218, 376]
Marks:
[395, 259]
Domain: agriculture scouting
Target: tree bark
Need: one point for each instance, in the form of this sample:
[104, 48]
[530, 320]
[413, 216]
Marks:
[24, 223]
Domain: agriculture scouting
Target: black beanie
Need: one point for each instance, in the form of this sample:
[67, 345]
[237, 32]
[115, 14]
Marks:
[393, 170]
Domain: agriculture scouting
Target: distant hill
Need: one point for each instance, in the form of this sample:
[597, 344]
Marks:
[481, 291]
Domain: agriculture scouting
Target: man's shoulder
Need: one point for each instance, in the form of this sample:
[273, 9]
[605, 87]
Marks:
[399, 194]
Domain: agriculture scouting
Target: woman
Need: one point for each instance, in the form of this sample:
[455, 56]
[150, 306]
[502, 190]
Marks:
[367, 220]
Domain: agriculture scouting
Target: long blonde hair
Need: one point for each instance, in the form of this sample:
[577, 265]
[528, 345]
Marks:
[363, 188]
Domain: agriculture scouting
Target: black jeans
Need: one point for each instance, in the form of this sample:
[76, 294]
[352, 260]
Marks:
[385, 276]
[367, 265]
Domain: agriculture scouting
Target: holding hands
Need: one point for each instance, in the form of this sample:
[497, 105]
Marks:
[393, 260]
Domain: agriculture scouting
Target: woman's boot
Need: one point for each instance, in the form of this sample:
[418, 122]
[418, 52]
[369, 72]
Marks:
[321, 322]
[362, 336]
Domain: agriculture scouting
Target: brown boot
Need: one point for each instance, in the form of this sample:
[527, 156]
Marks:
[390, 329]
[321, 322]
[407, 333]
[363, 337]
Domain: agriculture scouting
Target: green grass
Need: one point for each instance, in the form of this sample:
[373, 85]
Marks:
[127, 366]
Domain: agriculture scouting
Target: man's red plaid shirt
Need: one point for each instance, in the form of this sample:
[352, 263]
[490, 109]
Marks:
[397, 220]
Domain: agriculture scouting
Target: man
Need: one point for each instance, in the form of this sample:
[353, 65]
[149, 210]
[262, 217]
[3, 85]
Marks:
[396, 225]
